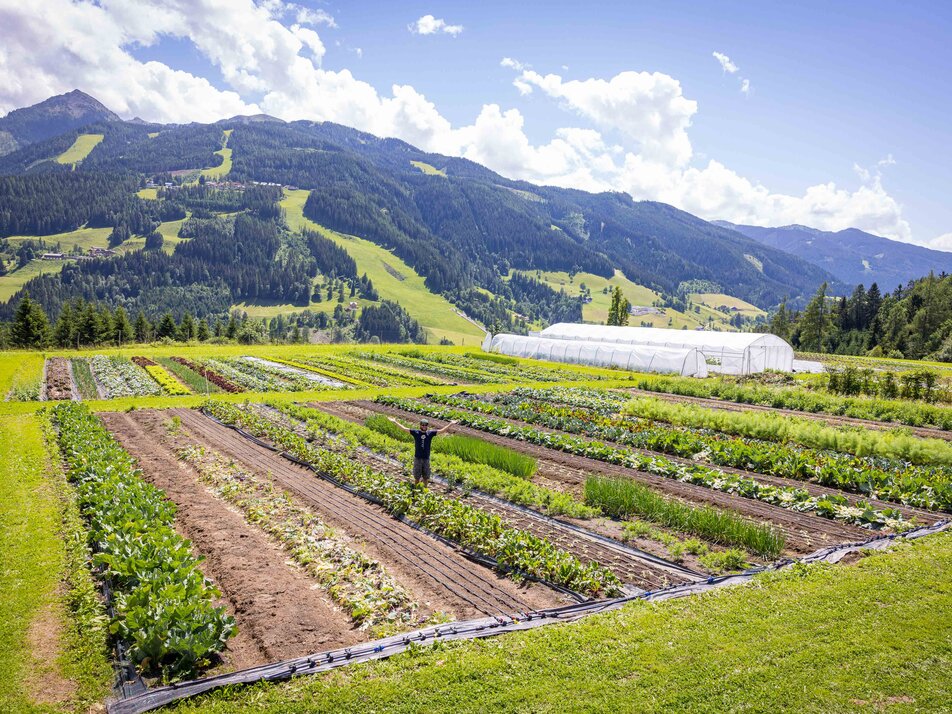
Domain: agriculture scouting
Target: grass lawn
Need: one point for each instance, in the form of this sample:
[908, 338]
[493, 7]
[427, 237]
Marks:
[80, 149]
[44, 667]
[871, 636]
[221, 171]
[715, 300]
[150, 194]
[169, 231]
[433, 311]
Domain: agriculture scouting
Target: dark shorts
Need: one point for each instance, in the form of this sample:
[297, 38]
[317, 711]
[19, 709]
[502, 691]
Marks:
[421, 469]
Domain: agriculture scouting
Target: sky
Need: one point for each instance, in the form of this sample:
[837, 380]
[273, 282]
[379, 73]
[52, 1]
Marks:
[828, 114]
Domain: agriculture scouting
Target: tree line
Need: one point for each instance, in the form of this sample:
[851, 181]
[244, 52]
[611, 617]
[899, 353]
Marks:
[912, 322]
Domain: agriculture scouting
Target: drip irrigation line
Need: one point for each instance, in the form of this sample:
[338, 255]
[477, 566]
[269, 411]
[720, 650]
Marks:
[479, 558]
[476, 629]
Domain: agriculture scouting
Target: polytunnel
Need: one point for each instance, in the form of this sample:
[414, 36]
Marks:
[727, 352]
[688, 362]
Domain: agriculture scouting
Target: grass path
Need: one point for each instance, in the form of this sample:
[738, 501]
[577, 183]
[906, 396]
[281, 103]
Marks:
[872, 636]
[43, 667]
[80, 149]
[434, 312]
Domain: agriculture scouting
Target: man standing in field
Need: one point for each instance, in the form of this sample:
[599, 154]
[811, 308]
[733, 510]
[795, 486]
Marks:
[422, 440]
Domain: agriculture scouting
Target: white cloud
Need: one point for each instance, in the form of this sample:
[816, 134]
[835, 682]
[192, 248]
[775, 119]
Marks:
[634, 138]
[942, 242]
[429, 25]
[745, 86]
[648, 108]
[725, 62]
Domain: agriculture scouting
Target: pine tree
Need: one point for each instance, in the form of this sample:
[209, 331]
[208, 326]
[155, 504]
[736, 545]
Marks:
[166, 327]
[203, 331]
[620, 308]
[780, 323]
[186, 329]
[813, 324]
[143, 328]
[30, 328]
[122, 332]
[64, 333]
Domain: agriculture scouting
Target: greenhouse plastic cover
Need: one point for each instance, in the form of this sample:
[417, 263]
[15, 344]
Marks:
[728, 352]
[685, 361]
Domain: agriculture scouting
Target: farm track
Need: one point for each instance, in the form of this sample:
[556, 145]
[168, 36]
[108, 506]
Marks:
[440, 577]
[279, 611]
[814, 489]
[924, 432]
[804, 532]
[625, 562]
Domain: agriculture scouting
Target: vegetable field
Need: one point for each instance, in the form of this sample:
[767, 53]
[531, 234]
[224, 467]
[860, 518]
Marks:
[239, 506]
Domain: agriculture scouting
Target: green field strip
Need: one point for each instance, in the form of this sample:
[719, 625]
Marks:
[437, 315]
[217, 172]
[80, 149]
[428, 169]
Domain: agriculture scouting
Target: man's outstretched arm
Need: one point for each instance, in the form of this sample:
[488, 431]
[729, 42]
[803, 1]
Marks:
[440, 431]
[405, 428]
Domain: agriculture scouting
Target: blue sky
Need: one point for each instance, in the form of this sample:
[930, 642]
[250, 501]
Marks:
[851, 94]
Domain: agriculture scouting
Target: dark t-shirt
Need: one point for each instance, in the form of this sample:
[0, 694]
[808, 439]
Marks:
[423, 441]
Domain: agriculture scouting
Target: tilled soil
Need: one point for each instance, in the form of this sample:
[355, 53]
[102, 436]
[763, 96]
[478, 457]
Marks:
[441, 578]
[804, 532]
[628, 563]
[920, 431]
[59, 379]
[280, 611]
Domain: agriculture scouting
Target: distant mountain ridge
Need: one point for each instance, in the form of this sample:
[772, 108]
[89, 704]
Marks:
[52, 117]
[457, 223]
[852, 255]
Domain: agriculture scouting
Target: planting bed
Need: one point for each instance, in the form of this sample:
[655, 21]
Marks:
[632, 567]
[441, 577]
[59, 379]
[278, 611]
[803, 531]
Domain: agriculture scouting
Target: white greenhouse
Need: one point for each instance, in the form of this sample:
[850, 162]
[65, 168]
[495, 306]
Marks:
[726, 352]
[687, 362]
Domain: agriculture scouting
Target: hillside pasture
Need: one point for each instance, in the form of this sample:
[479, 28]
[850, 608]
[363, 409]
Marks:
[434, 312]
[80, 149]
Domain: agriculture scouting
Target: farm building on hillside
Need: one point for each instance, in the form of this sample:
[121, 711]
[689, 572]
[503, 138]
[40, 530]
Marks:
[726, 352]
[687, 362]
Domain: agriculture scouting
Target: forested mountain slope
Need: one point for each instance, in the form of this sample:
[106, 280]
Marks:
[462, 227]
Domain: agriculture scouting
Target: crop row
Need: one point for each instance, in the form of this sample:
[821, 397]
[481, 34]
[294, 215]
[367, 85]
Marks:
[300, 378]
[120, 378]
[888, 479]
[305, 365]
[715, 525]
[831, 506]
[412, 361]
[480, 531]
[357, 583]
[504, 368]
[212, 376]
[467, 448]
[170, 385]
[371, 372]
[246, 376]
[195, 382]
[799, 399]
[164, 606]
[332, 430]
[759, 425]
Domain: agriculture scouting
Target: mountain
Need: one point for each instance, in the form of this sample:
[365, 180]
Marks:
[462, 227]
[853, 256]
[52, 117]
